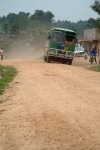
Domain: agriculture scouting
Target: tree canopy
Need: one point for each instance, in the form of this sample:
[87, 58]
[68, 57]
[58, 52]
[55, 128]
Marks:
[40, 19]
[96, 8]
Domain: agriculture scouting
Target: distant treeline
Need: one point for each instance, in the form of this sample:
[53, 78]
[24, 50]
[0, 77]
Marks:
[12, 23]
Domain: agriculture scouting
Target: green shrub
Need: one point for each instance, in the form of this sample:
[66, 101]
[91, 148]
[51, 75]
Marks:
[95, 68]
[9, 73]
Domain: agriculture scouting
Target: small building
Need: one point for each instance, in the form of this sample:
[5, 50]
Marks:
[90, 39]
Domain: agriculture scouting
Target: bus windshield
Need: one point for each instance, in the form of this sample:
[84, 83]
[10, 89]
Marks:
[58, 38]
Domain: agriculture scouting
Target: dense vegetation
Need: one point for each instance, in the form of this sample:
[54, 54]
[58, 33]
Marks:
[11, 23]
[7, 74]
[95, 68]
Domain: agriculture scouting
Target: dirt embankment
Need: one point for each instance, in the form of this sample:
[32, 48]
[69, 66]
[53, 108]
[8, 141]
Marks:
[51, 107]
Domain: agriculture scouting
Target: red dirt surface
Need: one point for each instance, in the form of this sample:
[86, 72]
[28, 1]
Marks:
[51, 107]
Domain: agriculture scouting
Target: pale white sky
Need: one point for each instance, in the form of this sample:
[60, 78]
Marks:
[70, 10]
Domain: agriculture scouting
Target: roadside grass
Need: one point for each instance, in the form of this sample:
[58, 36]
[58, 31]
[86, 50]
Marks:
[9, 72]
[1, 101]
[1, 111]
[95, 68]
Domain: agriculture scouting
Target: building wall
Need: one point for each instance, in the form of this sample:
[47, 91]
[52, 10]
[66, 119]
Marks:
[98, 46]
[91, 39]
[90, 34]
[97, 34]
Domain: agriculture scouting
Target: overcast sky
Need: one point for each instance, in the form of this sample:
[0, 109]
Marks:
[70, 10]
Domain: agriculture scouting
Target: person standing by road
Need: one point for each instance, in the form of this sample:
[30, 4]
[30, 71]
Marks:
[1, 53]
[85, 54]
[93, 52]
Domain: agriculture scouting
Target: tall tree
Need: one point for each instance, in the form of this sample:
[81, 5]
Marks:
[96, 8]
[48, 16]
[5, 27]
[24, 14]
[14, 29]
[38, 15]
[12, 18]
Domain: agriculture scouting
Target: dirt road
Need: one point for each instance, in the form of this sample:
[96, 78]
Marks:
[51, 107]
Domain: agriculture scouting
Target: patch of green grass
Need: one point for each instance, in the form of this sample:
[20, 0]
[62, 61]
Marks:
[1, 111]
[9, 72]
[95, 68]
[1, 101]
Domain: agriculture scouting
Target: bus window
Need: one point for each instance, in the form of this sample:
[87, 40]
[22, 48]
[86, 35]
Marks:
[69, 40]
[58, 38]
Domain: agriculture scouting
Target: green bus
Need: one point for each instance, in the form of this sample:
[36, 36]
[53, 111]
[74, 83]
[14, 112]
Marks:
[60, 46]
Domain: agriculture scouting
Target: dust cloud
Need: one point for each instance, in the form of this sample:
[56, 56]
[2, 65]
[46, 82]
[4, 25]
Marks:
[25, 50]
